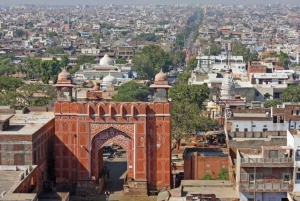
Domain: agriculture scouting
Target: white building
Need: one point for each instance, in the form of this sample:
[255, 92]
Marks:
[293, 140]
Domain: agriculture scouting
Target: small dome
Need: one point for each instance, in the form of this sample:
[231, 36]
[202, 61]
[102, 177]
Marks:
[106, 61]
[64, 75]
[109, 79]
[211, 104]
[96, 88]
[161, 76]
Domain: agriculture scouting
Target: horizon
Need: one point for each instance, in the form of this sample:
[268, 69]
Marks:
[147, 2]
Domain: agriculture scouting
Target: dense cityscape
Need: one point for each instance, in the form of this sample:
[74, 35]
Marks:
[150, 102]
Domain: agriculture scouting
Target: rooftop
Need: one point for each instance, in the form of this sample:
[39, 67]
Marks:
[8, 180]
[26, 124]
[205, 152]
[222, 189]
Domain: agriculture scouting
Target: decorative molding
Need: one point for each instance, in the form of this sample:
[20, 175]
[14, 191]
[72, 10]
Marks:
[126, 128]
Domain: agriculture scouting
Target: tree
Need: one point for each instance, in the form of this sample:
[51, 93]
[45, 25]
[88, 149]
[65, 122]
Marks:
[214, 50]
[147, 37]
[178, 58]
[207, 177]
[52, 34]
[192, 64]
[64, 62]
[150, 60]
[10, 83]
[19, 32]
[121, 61]
[82, 59]
[284, 59]
[32, 68]
[187, 103]
[241, 50]
[223, 174]
[184, 77]
[131, 92]
[54, 50]
[273, 103]
[291, 94]
[6, 67]
[28, 25]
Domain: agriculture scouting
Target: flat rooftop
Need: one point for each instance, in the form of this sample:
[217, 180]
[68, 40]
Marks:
[9, 180]
[27, 124]
[250, 115]
[222, 189]
[205, 152]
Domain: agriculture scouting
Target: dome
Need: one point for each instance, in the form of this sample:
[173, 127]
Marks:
[211, 104]
[161, 77]
[109, 79]
[64, 75]
[106, 61]
[96, 88]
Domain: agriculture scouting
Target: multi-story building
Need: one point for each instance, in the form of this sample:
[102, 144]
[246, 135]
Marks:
[28, 140]
[265, 173]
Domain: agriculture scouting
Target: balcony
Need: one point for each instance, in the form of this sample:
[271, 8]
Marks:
[267, 162]
[266, 187]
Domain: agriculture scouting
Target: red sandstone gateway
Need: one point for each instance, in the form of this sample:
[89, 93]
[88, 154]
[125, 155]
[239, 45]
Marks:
[83, 129]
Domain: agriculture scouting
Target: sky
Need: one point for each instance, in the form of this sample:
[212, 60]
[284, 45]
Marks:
[52, 2]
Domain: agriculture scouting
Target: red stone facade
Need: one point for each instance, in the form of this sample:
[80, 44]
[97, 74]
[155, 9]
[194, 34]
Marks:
[142, 129]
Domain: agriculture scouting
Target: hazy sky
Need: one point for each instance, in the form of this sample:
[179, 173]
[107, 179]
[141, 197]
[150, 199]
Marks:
[147, 1]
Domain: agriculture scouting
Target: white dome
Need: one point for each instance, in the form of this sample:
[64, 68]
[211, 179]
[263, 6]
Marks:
[106, 61]
[109, 79]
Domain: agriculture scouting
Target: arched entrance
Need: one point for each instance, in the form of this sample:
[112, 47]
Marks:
[103, 138]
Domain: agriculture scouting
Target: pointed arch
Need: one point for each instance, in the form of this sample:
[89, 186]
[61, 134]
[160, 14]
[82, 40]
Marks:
[96, 128]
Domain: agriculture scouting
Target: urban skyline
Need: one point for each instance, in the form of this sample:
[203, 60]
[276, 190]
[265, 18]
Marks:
[74, 2]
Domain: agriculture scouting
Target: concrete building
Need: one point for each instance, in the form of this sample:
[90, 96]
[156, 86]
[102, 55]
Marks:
[18, 183]
[27, 139]
[293, 140]
[265, 173]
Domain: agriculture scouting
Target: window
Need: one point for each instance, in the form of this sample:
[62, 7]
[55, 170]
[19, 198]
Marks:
[298, 176]
[207, 165]
[245, 129]
[251, 178]
[286, 178]
[237, 130]
[274, 119]
[259, 176]
[265, 129]
[273, 153]
[281, 119]
[244, 176]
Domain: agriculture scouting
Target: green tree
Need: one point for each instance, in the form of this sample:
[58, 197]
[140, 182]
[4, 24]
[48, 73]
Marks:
[10, 83]
[147, 37]
[223, 174]
[64, 62]
[6, 67]
[121, 61]
[150, 60]
[32, 68]
[284, 59]
[187, 103]
[214, 50]
[291, 94]
[19, 33]
[52, 34]
[178, 58]
[207, 177]
[54, 50]
[184, 77]
[241, 50]
[192, 64]
[97, 37]
[131, 92]
[82, 59]
[273, 103]
[28, 25]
